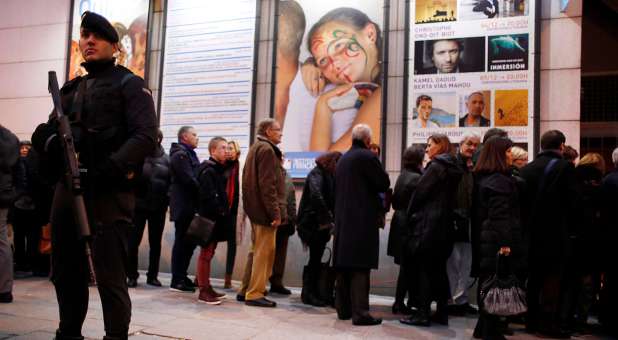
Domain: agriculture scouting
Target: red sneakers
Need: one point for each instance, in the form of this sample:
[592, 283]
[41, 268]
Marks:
[207, 297]
[214, 293]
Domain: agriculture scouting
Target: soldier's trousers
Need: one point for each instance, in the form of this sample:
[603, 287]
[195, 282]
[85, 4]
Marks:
[71, 277]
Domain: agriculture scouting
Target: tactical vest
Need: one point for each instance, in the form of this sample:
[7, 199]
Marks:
[101, 126]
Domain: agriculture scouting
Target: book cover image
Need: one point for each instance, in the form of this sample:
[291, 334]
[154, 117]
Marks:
[475, 104]
[434, 110]
[430, 11]
[490, 9]
[511, 108]
[507, 52]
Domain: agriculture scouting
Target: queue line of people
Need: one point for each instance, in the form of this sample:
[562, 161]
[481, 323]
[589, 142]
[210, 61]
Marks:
[550, 220]
[454, 217]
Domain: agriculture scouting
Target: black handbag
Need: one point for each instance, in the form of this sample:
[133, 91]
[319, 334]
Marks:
[201, 231]
[503, 295]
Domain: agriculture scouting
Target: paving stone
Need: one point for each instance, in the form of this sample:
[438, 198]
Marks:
[160, 314]
[38, 335]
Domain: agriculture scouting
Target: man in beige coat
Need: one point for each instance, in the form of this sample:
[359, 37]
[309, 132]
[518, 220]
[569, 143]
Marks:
[264, 200]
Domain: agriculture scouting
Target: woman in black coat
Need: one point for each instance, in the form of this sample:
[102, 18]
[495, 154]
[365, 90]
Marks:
[232, 189]
[430, 228]
[412, 162]
[587, 254]
[316, 221]
[496, 226]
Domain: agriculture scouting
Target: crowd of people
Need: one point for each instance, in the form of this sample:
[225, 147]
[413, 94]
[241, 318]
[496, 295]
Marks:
[482, 210]
[459, 211]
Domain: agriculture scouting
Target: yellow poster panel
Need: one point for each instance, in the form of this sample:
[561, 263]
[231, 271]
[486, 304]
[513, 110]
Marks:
[428, 11]
[511, 108]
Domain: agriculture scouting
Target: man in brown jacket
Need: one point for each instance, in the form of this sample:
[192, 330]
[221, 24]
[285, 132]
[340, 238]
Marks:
[263, 194]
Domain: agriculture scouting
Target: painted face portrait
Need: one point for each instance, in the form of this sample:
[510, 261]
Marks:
[345, 55]
[445, 56]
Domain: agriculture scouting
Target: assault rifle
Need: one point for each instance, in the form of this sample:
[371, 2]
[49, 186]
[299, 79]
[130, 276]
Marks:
[72, 172]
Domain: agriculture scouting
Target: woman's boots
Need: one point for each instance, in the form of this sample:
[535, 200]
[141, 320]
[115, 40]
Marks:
[309, 294]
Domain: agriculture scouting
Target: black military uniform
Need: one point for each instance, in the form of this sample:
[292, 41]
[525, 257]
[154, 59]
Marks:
[114, 125]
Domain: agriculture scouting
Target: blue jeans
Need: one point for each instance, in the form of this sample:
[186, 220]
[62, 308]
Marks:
[458, 269]
[182, 251]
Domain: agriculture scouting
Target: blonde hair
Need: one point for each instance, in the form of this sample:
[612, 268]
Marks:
[519, 153]
[594, 159]
[236, 147]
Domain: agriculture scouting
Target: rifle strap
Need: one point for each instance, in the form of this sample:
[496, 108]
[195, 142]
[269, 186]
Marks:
[78, 100]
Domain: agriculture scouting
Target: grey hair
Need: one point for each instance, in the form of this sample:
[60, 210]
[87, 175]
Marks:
[361, 132]
[264, 125]
[469, 134]
[182, 131]
[474, 93]
[615, 157]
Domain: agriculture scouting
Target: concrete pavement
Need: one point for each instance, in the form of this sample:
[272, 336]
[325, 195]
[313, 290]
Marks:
[161, 314]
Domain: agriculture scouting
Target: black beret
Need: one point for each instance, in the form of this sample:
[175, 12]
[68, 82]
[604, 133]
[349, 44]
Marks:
[98, 24]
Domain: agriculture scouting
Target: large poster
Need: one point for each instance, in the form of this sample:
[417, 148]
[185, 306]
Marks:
[471, 68]
[328, 76]
[207, 77]
[129, 18]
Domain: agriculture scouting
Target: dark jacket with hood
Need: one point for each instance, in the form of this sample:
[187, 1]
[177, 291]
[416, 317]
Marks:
[213, 203]
[152, 190]
[404, 188]
[184, 188]
[463, 205]
[9, 153]
[359, 179]
[609, 214]
[114, 130]
[552, 198]
[496, 223]
[316, 206]
[430, 213]
[589, 232]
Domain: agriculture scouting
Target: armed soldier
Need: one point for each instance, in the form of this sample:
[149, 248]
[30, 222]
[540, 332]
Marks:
[114, 127]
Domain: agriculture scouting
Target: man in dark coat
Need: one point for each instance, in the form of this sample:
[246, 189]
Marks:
[552, 191]
[151, 205]
[22, 215]
[9, 153]
[359, 179]
[609, 294]
[183, 204]
[115, 128]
